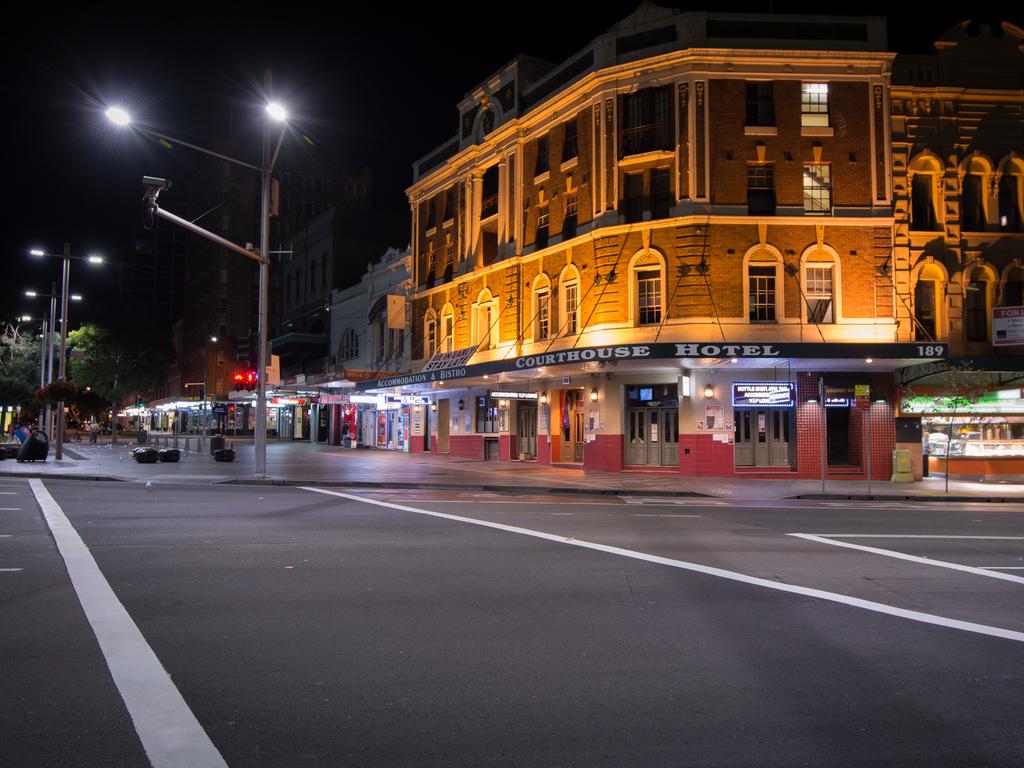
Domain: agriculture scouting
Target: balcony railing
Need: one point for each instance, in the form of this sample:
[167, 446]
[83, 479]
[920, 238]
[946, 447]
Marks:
[645, 138]
[489, 207]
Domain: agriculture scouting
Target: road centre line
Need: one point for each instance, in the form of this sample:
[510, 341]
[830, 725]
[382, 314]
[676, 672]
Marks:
[9, 509]
[10, 570]
[906, 536]
[167, 728]
[1002, 567]
[856, 602]
[821, 539]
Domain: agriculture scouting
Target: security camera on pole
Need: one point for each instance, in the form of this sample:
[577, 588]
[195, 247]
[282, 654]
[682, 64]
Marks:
[153, 188]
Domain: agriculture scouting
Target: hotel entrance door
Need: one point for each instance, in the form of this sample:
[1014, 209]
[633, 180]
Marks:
[762, 437]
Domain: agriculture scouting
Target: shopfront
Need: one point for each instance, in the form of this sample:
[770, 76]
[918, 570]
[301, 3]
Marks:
[764, 423]
[652, 425]
[980, 437]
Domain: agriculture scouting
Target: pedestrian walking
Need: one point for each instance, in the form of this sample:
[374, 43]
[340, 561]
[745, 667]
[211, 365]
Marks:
[94, 432]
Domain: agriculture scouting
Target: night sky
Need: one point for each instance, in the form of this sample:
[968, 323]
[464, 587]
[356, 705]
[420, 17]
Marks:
[379, 86]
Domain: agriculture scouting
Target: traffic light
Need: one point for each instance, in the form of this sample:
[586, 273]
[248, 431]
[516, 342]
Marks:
[238, 379]
[245, 380]
[250, 380]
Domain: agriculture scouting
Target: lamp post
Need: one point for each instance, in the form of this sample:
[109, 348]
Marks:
[206, 392]
[62, 364]
[277, 113]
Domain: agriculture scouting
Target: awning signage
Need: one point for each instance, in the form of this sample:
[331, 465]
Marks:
[515, 395]
[661, 351]
[441, 361]
[763, 394]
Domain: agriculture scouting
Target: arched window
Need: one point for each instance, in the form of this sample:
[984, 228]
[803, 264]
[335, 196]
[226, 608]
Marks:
[923, 176]
[647, 288]
[928, 302]
[973, 197]
[429, 334]
[762, 301]
[1011, 216]
[349, 347]
[541, 322]
[1013, 287]
[569, 301]
[447, 328]
[485, 321]
[978, 290]
[820, 277]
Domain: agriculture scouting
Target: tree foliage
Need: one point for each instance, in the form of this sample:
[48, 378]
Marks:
[119, 362]
[19, 366]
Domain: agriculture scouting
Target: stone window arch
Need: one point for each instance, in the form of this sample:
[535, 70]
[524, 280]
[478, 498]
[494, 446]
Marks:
[484, 325]
[540, 323]
[1012, 286]
[975, 186]
[429, 333]
[447, 330]
[979, 283]
[1010, 184]
[349, 347]
[929, 280]
[569, 287]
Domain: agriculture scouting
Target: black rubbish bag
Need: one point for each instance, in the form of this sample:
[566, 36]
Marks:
[35, 448]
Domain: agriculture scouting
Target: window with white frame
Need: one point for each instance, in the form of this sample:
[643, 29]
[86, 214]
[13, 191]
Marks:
[349, 348]
[761, 284]
[648, 296]
[570, 306]
[447, 330]
[542, 304]
[818, 291]
[817, 188]
[429, 336]
[486, 315]
[814, 105]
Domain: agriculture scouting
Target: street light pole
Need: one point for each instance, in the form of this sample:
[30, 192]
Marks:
[63, 348]
[260, 438]
[50, 433]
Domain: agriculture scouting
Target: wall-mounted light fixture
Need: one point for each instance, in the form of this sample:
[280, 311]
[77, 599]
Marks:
[709, 391]
[462, 405]
[503, 403]
[593, 395]
[433, 407]
[543, 398]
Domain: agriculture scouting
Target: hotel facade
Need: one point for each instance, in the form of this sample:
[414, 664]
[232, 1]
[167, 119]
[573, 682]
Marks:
[673, 252]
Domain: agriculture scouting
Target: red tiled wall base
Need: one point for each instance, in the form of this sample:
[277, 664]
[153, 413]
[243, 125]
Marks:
[543, 450]
[706, 458]
[603, 454]
[433, 443]
[466, 446]
[416, 444]
[505, 448]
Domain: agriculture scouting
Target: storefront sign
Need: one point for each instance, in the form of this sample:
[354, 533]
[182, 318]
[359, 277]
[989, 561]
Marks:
[408, 399]
[454, 365]
[335, 399]
[515, 395]
[1007, 326]
[763, 394]
[288, 400]
[1007, 401]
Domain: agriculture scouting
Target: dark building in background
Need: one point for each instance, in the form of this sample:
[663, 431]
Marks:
[221, 288]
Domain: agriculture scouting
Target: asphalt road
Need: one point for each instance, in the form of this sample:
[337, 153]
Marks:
[311, 629]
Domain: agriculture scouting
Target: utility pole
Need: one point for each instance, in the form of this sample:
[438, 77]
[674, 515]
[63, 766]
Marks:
[260, 438]
[64, 349]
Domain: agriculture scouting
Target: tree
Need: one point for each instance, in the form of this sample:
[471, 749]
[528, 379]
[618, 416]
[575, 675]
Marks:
[19, 367]
[118, 362]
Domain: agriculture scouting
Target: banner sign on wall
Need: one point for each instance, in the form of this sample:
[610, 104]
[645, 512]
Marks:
[1007, 326]
[763, 394]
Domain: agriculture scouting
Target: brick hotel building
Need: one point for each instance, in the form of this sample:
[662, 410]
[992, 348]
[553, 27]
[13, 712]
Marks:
[673, 251]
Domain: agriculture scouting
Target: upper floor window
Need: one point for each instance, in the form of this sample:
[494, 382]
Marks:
[448, 205]
[447, 329]
[540, 240]
[569, 222]
[543, 164]
[570, 303]
[429, 335]
[1013, 288]
[485, 319]
[818, 188]
[761, 189]
[570, 147]
[635, 202]
[760, 104]
[1010, 218]
[661, 193]
[818, 293]
[976, 306]
[647, 121]
[922, 203]
[349, 347]
[648, 296]
[814, 105]
[972, 204]
[431, 215]
[761, 286]
[542, 308]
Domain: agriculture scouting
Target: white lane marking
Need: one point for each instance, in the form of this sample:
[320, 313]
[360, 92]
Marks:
[856, 602]
[660, 514]
[658, 501]
[1002, 567]
[530, 503]
[8, 493]
[10, 570]
[9, 509]
[908, 536]
[170, 733]
[911, 558]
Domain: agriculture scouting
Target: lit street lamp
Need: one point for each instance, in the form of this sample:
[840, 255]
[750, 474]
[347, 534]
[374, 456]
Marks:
[62, 364]
[120, 117]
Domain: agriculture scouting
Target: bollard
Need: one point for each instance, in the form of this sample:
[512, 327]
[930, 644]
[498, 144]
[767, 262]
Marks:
[186, 443]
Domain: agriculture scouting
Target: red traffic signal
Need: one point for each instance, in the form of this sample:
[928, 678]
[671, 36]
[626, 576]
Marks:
[250, 380]
[239, 380]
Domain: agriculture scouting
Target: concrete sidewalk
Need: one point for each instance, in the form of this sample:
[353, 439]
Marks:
[305, 464]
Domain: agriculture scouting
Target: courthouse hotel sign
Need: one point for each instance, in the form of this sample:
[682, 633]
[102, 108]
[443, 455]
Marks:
[437, 371]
